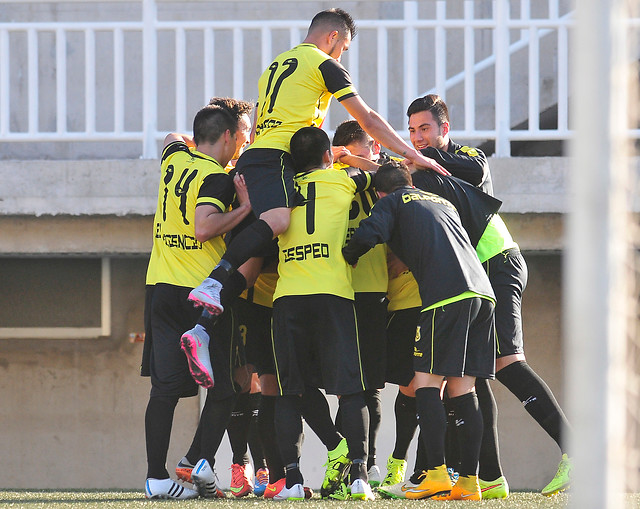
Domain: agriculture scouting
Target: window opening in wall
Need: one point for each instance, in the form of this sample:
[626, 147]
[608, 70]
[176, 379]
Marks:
[55, 298]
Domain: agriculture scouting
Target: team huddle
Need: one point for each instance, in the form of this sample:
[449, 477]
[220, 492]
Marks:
[291, 265]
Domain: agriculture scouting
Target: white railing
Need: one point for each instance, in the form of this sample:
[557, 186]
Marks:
[106, 81]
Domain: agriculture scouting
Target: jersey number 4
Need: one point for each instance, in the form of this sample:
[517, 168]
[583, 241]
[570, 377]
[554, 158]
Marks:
[180, 190]
[287, 69]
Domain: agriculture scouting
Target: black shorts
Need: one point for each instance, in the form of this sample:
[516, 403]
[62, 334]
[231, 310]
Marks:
[371, 313]
[508, 274]
[168, 314]
[268, 174]
[457, 339]
[401, 336]
[316, 344]
[254, 323]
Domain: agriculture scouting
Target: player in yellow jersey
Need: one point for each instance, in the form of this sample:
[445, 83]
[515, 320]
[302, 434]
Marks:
[315, 337]
[369, 281]
[191, 216]
[295, 91]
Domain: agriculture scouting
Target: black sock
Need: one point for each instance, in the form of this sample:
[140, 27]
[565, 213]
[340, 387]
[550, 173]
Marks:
[193, 454]
[293, 475]
[250, 242]
[451, 444]
[158, 421]
[406, 424]
[315, 411]
[215, 420]
[433, 423]
[288, 422]
[536, 397]
[355, 425]
[254, 440]
[207, 320]
[374, 406]
[421, 461]
[469, 431]
[233, 287]
[238, 429]
[358, 470]
[338, 420]
[490, 468]
[267, 429]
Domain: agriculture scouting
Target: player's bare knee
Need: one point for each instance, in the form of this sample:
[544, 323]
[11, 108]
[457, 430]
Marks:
[277, 219]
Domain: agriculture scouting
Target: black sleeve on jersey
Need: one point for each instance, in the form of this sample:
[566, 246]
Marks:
[336, 77]
[468, 168]
[219, 186]
[373, 230]
[173, 147]
[475, 207]
[362, 178]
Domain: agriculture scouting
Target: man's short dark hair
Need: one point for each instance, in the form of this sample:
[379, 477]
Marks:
[432, 103]
[308, 145]
[391, 176]
[334, 19]
[235, 106]
[349, 132]
[211, 122]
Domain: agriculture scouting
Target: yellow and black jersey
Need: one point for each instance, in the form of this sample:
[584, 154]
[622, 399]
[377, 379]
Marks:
[370, 275]
[295, 92]
[188, 179]
[261, 292]
[310, 258]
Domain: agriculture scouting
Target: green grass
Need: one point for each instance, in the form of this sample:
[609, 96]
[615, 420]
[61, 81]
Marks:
[33, 499]
[94, 499]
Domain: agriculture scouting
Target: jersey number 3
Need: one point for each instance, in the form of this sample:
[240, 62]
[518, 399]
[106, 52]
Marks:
[287, 69]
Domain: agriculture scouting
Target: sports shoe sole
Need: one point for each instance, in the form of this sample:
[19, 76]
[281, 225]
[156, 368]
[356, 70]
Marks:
[555, 492]
[197, 298]
[199, 373]
[184, 474]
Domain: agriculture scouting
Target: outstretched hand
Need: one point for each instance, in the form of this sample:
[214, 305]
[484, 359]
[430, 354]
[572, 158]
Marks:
[421, 162]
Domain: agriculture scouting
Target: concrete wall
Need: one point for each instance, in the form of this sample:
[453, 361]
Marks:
[73, 410]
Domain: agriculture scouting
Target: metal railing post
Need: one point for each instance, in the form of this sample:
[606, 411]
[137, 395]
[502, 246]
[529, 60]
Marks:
[150, 79]
[503, 95]
[410, 53]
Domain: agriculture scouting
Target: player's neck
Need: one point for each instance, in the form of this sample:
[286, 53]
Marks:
[216, 151]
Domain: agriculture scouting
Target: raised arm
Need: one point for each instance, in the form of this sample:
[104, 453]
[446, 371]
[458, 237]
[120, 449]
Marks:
[381, 131]
[210, 222]
[183, 138]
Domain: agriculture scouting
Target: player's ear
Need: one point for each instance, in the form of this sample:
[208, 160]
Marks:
[444, 127]
[327, 158]
[376, 148]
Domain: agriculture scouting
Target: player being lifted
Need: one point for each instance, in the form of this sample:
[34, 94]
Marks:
[293, 92]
